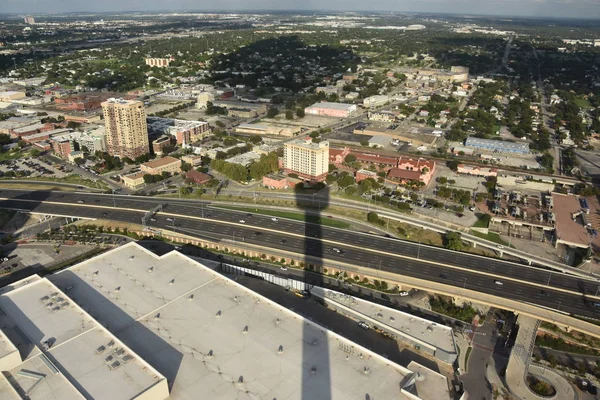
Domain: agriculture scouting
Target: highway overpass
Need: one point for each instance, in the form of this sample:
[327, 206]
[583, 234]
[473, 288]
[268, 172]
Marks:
[549, 290]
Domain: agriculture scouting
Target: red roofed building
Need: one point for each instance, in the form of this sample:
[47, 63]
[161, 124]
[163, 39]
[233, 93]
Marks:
[366, 158]
[197, 177]
[403, 175]
[337, 156]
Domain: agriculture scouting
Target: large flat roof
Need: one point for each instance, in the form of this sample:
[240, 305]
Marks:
[59, 340]
[213, 338]
[333, 106]
[570, 229]
[420, 329]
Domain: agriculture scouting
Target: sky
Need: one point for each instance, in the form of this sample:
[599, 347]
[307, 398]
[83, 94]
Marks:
[526, 8]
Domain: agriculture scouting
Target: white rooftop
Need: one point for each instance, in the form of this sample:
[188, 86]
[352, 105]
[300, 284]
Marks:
[435, 335]
[333, 106]
[54, 334]
[213, 338]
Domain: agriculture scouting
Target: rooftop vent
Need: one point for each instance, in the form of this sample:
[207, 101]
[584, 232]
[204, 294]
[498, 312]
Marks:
[157, 317]
[245, 329]
[219, 313]
[241, 379]
[191, 297]
[118, 289]
[172, 281]
[131, 257]
[150, 269]
[278, 321]
[280, 349]
[366, 370]
[210, 353]
[313, 370]
[95, 273]
[100, 349]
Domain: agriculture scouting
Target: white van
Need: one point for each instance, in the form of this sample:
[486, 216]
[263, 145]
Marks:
[498, 283]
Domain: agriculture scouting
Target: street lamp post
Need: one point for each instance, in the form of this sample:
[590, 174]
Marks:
[113, 196]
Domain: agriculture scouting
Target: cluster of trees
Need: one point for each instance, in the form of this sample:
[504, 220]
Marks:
[453, 241]
[148, 178]
[232, 152]
[108, 162]
[458, 195]
[465, 313]
[211, 109]
[173, 109]
[373, 218]
[267, 164]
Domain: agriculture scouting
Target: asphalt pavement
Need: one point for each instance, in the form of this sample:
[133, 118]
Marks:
[371, 251]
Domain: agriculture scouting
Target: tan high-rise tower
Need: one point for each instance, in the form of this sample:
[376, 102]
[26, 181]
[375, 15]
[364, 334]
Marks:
[126, 128]
[307, 159]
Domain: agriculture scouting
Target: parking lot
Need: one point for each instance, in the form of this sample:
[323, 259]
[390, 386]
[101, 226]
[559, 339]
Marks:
[30, 167]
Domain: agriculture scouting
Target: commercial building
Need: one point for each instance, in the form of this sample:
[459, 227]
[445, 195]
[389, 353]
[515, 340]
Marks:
[133, 181]
[30, 130]
[571, 221]
[476, 171]
[375, 101]
[193, 160]
[62, 147]
[82, 101]
[276, 181]
[74, 155]
[497, 146]
[9, 97]
[326, 109]
[268, 129]
[383, 116]
[63, 352]
[204, 98]
[363, 174]
[126, 129]
[29, 20]
[134, 325]
[308, 160]
[239, 112]
[197, 177]
[159, 144]
[41, 136]
[165, 164]
[93, 140]
[158, 62]
[329, 90]
[188, 132]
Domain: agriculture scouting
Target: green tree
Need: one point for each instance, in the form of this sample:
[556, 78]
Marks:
[300, 112]
[453, 241]
[350, 158]
[289, 114]
[272, 113]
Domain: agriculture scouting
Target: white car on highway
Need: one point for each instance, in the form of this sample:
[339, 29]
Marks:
[242, 221]
[403, 293]
[274, 219]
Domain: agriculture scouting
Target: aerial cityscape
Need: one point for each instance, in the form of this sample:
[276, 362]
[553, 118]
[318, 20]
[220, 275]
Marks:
[257, 203]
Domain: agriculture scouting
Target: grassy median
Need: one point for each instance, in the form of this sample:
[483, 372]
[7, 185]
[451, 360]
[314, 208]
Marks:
[298, 216]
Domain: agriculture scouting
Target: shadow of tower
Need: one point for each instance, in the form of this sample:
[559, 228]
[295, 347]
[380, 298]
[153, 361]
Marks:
[316, 368]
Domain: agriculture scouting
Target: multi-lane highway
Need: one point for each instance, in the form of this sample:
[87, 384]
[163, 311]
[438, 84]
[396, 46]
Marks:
[553, 290]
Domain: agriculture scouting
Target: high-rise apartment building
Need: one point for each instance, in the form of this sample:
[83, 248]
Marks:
[29, 20]
[126, 128]
[307, 159]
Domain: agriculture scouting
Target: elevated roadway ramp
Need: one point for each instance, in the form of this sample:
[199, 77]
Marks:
[519, 366]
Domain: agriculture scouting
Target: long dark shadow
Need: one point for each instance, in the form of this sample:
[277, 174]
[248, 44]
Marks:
[315, 356]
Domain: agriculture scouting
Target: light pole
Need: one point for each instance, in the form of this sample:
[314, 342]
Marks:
[113, 196]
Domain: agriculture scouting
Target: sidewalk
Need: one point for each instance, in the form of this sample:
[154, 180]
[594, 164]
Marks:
[519, 366]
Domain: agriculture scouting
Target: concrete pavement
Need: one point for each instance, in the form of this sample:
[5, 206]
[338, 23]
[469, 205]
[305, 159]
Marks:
[519, 366]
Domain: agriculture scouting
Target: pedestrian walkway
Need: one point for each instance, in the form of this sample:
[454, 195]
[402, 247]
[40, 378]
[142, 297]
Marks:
[519, 366]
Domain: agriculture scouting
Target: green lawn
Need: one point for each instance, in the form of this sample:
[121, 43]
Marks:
[492, 236]
[583, 103]
[10, 155]
[469, 349]
[483, 221]
[298, 216]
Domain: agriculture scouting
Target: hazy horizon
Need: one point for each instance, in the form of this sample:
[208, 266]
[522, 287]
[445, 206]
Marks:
[586, 9]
